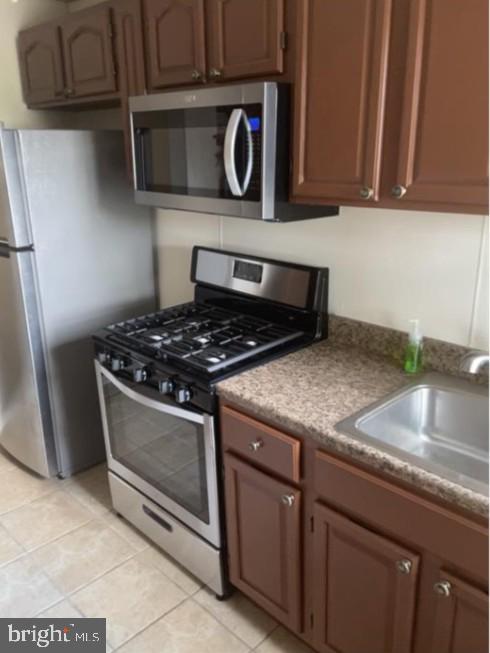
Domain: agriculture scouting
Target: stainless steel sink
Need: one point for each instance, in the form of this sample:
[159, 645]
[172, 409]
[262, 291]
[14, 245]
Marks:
[439, 423]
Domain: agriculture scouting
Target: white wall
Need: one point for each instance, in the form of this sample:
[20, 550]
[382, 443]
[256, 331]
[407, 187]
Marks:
[14, 16]
[386, 266]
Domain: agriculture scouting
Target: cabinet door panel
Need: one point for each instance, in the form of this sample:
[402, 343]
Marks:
[41, 66]
[130, 56]
[444, 137]
[461, 621]
[339, 98]
[88, 55]
[175, 42]
[364, 589]
[245, 37]
[264, 539]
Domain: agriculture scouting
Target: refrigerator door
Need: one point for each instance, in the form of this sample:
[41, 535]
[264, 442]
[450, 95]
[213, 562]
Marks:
[25, 417]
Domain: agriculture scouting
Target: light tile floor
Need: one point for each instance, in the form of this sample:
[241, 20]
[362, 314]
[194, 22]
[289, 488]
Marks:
[64, 553]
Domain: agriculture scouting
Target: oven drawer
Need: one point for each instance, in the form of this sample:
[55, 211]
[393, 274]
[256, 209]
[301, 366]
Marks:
[261, 444]
[193, 553]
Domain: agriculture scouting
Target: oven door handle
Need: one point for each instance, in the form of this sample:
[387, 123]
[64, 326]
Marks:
[142, 399]
[237, 116]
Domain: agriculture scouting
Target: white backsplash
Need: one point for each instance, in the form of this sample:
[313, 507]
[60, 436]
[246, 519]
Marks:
[386, 266]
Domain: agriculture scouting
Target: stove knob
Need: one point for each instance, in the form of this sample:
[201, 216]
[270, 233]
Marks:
[140, 374]
[103, 357]
[166, 386]
[183, 394]
[117, 363]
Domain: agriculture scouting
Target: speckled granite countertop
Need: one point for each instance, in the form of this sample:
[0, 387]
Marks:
[309, 391]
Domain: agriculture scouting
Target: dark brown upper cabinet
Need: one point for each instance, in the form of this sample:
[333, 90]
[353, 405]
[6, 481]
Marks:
[41, 66]
[461, 618]
[443, 150]
[245, 38]
[340, 89]
[391, 104]
[264, 533]
[88, 53]
[365, 588]
[175, 40]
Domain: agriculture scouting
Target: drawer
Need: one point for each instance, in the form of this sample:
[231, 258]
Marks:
[406, 515]
[192, 552]
[261, 444]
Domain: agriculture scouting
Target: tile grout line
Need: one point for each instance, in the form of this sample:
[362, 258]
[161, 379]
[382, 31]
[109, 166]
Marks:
[164, 614]
[231, 631]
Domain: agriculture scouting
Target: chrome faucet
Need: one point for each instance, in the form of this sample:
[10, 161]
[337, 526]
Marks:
[473, 361]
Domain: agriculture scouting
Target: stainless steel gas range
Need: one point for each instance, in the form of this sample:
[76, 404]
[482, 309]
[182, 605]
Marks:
[157, 377]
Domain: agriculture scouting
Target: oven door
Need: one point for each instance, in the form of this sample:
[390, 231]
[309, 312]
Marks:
[210, 150]
[166, 452]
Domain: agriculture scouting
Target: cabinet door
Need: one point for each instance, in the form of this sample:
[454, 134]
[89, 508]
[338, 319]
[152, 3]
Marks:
[339, 98]
[175, 42]
[364, 588]
[88, 53]
[128, 25]
[41, 67]
[245, 38]
[461, 621]
[263, 524]
[443, 153]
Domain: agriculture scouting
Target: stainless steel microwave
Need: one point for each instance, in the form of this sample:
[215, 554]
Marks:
[221, 150]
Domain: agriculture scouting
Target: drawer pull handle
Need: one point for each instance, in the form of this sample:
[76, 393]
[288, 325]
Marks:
[404, 566]
[443, 588]
[256, 445]
[159, 520]
[288, 500]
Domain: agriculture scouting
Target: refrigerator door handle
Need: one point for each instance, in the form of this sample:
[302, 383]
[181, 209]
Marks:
[4, 249]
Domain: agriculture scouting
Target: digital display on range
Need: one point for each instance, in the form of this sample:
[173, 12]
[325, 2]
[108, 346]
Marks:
[247, 271]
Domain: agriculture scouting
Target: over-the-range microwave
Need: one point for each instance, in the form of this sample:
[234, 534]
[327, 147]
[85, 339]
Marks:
[221, 150]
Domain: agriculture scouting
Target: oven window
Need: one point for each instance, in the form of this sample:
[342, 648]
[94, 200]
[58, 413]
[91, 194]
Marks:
[166, 451]
[181, 151]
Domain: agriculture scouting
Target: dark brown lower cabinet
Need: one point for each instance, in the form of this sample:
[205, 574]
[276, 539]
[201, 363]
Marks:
[327, 561]
[461, 620]
[364, 590]
[264, 529]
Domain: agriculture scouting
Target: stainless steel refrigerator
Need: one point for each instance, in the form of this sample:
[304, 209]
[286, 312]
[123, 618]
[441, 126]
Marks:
[76, 254]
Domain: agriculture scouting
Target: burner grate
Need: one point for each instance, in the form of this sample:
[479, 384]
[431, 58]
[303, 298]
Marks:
[203, 336]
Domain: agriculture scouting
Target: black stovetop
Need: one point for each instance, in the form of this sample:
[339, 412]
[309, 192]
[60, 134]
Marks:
[206, 337]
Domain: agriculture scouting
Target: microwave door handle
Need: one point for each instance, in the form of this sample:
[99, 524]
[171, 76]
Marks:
[250, 155]
[229, 152]
[237, 115]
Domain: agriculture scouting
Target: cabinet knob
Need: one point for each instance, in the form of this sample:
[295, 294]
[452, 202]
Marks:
[69, 92]
[288, 500]
[366, 193]
[256, 445]
[214, 73]
[398, 191]
[404, 566]
[196, 75]
[443, 588]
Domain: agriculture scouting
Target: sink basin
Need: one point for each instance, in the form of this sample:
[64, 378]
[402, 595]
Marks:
[439, 423]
